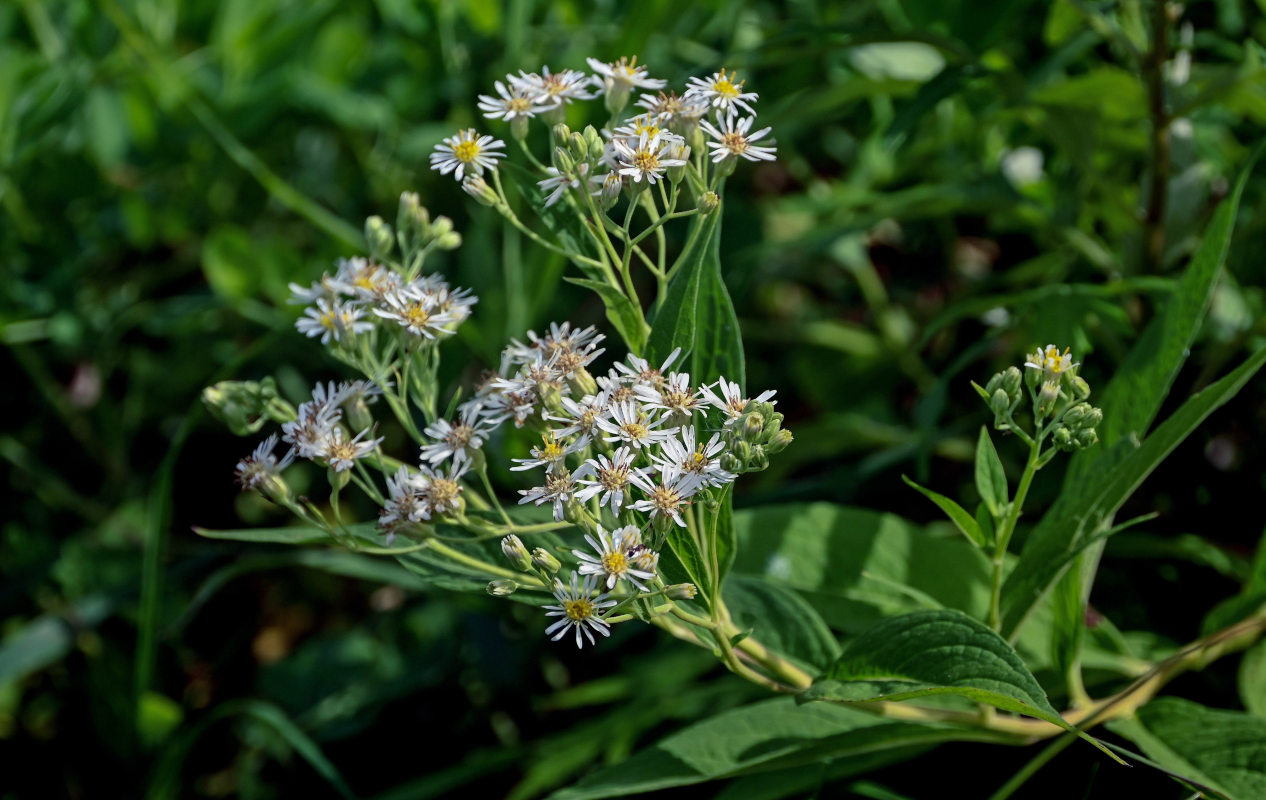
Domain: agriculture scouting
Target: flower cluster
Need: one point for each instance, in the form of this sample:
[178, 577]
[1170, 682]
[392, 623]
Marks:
[1058, 396]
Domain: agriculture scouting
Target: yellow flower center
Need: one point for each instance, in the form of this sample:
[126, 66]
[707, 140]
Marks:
[734, 142]
[552, 451]
[518, 104]
[635, 430]
[615, 563]
[466, 151]
[577, 610]
[329, 322]
[416, 315]
[698, 461]
[646, 161]
[442, 492]
[614, 478]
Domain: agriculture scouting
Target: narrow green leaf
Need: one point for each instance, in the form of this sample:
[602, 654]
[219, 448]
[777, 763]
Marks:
[1069, 528]
[782, 620]
[683, 545]
[985, 520]
[621, 312]
[943, 652]
[1224, 751]
[1252, 679]
[295, 534]
[991, 479]
[673, 325]
[957, 514]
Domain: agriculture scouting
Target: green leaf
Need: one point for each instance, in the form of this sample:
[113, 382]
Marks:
[621, 312]
[991, 479]
[1222, 751]
[957, 514]
[294, 534]
[1069, 528]
[1252, 679]
[770, 735]
[940, 652]
[781, 620]
[683, 545]
[697, 314]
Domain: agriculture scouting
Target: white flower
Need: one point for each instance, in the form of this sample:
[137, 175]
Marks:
[324, 289]
[674, 395]
[261, 466]
[613, 558]
[610, 478]
[552, 454]
[557, 183]
[731, 400]
[579, 609]
[456, 440]
[693, 458]
[466, 151]
[341, 453]
[623, 74]
[513, 102]
[439, 492]
[647, 158]
[640, 372]
[582, 416]
[650, 124]
[732, 140]
[615, 387]
[335, 320]
[669, 496]
[558, 489]
[417, 312]
[1052, 362]
[365, 280]
[403, 503]
[550, 89]
[677, 112]
[722, 93]
[313, 424]
[629, 424]
[359, 391]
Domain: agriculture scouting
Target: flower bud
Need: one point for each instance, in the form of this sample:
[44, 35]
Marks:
[413, 221]
[776, 444]
[546, 560]
[726, 166]
[1047, 396]
[502, 588]
[519, 128]
[478, 188]
[563, 161]
[449, 241]
[1081, 389]
[1011, 380]
[994, 384]
[772, 426]
[753, 425]
[759, 460]
[593, 140]
[1086, 437]
[1074, 416]
[516, 553]
[357, 411]
[731, 463]
[579, 146]
[709, 202]
[1000, 402]
[1063, 439]
[743, 452]
[1033, 376]
[561, 132]
[612, 185]
[243, 406]
[440, 226]
[379, 237]
[680, 152]
[682, 591]
[1093, 417]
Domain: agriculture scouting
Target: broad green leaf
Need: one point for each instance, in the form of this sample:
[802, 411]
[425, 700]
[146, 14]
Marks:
[687, 551]
[770, 735]
[1252, 679]
[621, 312]
[673, 324]
[941, 652]
[1069, 528]
[1223, 751]
[782, 620]
[957, 514]
[991, 479]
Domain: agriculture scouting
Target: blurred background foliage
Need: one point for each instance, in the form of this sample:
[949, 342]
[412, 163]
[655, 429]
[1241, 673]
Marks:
[957, 182]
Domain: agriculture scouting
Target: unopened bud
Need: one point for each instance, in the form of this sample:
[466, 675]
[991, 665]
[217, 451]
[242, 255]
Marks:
[502, 588]
[563, 161]
[759, 460]
[994, 384]
[743, 451]
[731, 463]
[413, 221]
[449, 241]
[593, 140]
[617, 96]
[1063, 439]
[1086, 437]
[1081, 389]
[1000, 402]
[516, 553]
[358, 412]
[1074, 416]
[753, 424]
[561, 132]
[1093, 417]
[709, 202]
[379, 237]
[612, 185]
[772, 426]
[441, 226]
[682, 591]
[777, 444]
[1011, 380]
[546, 560]
[1047, 396]
[244, 406]
[478, 188]
[1032, 376]
[579, 146]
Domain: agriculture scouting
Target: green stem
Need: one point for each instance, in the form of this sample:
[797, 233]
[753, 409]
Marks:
[1007, 529]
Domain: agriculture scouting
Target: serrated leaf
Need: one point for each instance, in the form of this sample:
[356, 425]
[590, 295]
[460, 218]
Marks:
[1068, 529]
[965, 523]
[991, 479]
[941, 652]
[1222, 751]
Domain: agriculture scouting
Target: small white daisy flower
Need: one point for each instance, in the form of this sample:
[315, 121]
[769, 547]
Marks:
[616, 388]
[722, 93]
[512, 103]
[365, 280]
[647, 157]
[261, 466]
[552, 454]
[731, 400]
[694, 458]
[609, 477]
[325, 289]
[629, 424]
[341, 453]
[557, 183]
[558, 489]
[579, 609]
[466, 152]
[679, 114]
[1052, 362]
[674, 395]
[458, 440]
[613, 558]
[623, 74]
[312, 426]
[439, 491]
[582, 416]
[639, 371]
[404, 503]
[650, 124]
[551, 89]
[335, 320]
[416, 312]
[668, 497]
[733, 140]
